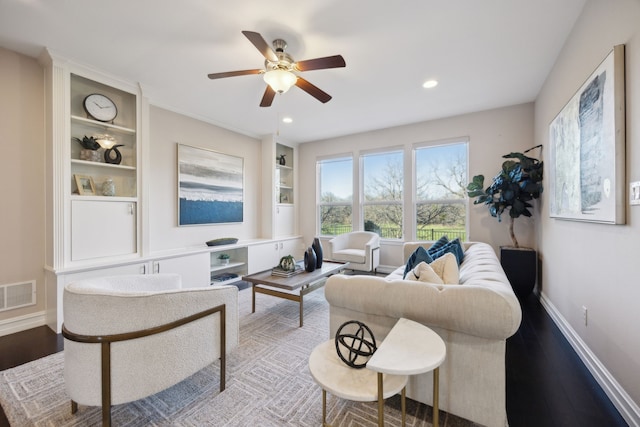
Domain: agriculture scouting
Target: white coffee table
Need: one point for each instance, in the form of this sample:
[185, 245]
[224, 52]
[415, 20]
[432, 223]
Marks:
[359, 385]
[410, 348]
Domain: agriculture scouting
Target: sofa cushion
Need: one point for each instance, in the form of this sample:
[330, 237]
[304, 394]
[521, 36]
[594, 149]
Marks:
[454, 247]
[437, 245]
[423, 272]
[418, 256]
[447, 268]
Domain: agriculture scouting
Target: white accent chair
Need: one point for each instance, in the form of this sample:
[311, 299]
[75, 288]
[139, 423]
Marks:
[128, 337]
[361, 249]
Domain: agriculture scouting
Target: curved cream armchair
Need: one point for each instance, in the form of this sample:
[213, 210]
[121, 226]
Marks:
[128, 337]
[361, 249]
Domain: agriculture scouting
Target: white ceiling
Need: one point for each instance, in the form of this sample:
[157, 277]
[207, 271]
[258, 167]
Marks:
[485, 54]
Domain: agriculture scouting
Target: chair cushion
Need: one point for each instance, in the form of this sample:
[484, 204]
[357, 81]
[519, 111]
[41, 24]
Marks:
[350, 255]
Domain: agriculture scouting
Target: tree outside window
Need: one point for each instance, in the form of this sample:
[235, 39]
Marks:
[335, 205]
[441, 177]
[383, 183]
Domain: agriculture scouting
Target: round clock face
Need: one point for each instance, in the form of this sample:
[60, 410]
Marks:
[100, 107]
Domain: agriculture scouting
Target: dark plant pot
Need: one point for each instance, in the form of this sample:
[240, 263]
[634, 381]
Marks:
[309, 260]
[520, 266]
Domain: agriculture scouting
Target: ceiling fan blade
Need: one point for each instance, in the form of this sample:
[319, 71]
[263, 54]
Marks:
[312, 90]
[260, 44]
[233, 74]
[335, 61]
[268, 96]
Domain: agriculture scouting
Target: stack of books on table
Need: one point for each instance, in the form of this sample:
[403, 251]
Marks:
[277, 271]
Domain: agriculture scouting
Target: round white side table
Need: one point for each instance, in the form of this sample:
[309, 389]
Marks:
[360, 385]
[411, 348]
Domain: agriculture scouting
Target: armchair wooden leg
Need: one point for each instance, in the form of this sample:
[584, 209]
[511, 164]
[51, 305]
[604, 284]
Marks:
[106, 384]
[74, 406]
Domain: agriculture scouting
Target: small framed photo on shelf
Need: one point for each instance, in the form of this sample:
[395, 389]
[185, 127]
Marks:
[85, 184]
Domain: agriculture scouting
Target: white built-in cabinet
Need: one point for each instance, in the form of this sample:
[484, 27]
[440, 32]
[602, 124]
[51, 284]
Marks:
[229, 270]
[194, 268]
[279, 188]
[92, 233]
[86, 225]
[116, 237]
[266, 255]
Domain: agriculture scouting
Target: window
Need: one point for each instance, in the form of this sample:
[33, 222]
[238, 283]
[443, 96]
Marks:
[382, 178]
[440, 196]
[335, 202]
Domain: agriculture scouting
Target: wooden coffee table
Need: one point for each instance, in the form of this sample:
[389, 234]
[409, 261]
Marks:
[293, 288]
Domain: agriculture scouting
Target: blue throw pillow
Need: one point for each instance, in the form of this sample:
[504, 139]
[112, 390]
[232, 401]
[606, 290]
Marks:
[438, 245]
[454, 246]
[416, 258]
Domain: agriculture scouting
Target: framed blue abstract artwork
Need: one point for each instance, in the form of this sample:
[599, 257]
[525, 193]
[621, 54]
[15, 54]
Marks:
[587, 155]
[210, 187]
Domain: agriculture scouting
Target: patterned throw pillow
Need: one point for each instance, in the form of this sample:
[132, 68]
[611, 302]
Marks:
[437, 245]
[416, 258]
[454, 247]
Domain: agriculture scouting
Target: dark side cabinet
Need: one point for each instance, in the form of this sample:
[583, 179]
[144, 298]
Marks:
[520, 266]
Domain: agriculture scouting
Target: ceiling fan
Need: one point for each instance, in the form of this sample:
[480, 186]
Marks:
[280, 70]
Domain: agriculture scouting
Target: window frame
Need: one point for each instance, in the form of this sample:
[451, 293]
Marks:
[320, 204]
[363, 203]
[464, 201]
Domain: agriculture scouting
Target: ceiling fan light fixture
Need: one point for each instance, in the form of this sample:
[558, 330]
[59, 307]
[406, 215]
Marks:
[280, 80]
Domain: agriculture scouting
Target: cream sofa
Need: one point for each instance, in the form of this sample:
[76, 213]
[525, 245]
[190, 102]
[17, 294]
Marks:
[474, 318]
[157, 334]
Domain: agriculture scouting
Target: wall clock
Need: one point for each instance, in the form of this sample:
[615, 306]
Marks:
[100, 107]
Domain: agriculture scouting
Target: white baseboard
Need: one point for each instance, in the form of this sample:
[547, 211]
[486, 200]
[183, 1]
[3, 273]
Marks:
[22, 323]
[620, 399]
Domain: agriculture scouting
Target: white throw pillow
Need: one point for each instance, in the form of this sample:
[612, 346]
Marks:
[447, 268]
[424, 273]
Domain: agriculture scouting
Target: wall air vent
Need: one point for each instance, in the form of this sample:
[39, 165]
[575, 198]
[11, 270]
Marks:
[17, 295]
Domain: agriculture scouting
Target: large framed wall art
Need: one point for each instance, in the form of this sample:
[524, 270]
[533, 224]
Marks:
[210, 186]
[587, 154]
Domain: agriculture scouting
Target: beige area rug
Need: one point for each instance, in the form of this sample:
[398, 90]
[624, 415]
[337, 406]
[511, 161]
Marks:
[268, 383]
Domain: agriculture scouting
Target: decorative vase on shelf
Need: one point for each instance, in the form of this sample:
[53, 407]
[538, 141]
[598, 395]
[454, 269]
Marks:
[309, 260]
[317, 248]
[282, 160]
[90, 155]
[112, 155]
[108, 187]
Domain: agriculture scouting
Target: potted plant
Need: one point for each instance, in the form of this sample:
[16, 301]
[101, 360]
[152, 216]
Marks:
[513, 188]
[223, 259]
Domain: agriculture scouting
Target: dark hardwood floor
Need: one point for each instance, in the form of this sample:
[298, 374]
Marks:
[547, 384]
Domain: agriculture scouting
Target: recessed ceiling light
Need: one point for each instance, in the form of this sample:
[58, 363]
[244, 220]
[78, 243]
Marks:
[429, 84]
[287, 120]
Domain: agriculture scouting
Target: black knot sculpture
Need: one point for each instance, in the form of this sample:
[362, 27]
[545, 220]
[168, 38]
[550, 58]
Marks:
[112, 155]
[355, 348]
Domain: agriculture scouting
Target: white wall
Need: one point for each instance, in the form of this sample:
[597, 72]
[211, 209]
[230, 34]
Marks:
[166, 130]
[22, 175]
[491, 134]
[586, 264]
